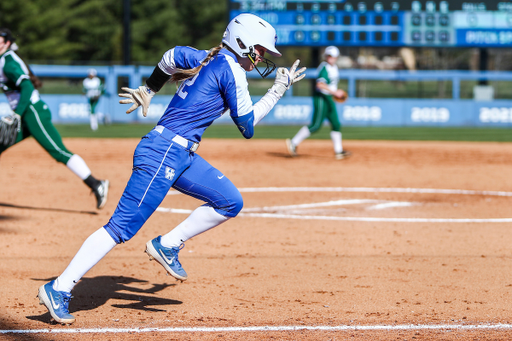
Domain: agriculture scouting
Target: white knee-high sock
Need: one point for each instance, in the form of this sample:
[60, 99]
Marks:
[94, 122]
[201, 220]
[336, 140]
[92, 251]
[78, 166]
[301, 135]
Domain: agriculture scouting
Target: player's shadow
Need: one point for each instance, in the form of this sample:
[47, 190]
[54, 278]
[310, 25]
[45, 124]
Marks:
[9, 324]
[280, 155]
[300, 156]
[2, 204]
[9, 217]
[5, 217]
[91, 293]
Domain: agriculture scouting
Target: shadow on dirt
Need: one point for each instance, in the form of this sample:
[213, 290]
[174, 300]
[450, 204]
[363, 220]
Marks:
[91, 293]
[6, 325]
[2, 204]
[6, 218]
[300, 156]
[280, 155]
[9, 217]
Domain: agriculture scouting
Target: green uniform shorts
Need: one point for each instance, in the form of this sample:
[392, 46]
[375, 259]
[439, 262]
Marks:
[93, 103]
[324, 108]
[36, 121]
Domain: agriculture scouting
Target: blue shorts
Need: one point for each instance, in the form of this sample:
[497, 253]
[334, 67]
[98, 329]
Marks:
[161, 161]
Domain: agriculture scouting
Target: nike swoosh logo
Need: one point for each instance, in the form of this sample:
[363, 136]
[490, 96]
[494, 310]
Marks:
[220, 177]
[169, 261]
[55, 306]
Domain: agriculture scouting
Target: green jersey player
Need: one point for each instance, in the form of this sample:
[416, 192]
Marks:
[324, 107]
[93, 89]
[32, 117]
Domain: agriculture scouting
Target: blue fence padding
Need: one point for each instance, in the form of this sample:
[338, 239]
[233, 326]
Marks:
[293, 110]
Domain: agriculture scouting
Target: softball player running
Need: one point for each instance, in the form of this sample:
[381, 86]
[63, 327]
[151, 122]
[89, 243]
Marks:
[93, 90]
[324, 106]
[31, 116]
[213, 82]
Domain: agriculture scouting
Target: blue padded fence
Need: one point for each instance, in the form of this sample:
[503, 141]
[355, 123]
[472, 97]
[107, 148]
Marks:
[294, 110]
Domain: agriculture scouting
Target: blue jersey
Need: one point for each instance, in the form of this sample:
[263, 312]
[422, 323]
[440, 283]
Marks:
[219, 86]
[164, 158]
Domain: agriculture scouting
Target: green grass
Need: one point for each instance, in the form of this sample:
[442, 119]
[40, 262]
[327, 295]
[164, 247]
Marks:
[117, 130]
[283, 132]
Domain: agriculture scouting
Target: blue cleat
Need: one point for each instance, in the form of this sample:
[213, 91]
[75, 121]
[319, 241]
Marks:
[56, 302]
[167, 257]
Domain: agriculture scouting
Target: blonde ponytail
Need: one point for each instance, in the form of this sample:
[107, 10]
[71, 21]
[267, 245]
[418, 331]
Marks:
[182, 74]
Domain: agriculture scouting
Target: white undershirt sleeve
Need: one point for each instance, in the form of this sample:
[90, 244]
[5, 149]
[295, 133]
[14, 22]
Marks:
[265, 104]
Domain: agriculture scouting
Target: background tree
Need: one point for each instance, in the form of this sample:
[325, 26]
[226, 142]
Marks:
[85, 31]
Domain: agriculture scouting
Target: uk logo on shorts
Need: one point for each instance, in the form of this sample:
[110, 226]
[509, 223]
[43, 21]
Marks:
[169, 173]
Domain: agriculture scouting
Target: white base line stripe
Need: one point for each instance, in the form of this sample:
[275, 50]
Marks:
[313, 205]
[365, 219]
[368, 189]
[173, 210]
[265, 328]
[248, 213]
[375, 189]
[369, 219]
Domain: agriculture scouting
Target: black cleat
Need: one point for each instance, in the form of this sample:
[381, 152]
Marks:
[101, 193]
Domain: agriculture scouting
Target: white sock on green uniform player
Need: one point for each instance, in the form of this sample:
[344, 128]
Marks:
[78, 166]
[336, 140]
[92, 251]
[94, 122]
[301, 135]
[201, 220]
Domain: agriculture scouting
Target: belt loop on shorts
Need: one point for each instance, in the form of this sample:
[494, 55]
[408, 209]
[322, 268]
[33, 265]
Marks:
[179, 139]
[194, 146]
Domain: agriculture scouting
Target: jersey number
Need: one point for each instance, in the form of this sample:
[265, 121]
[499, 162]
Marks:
[183, 94]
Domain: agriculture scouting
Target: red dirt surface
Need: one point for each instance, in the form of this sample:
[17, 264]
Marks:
[295, 269]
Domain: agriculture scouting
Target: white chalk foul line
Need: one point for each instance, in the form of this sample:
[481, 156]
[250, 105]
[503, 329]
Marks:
[364, 219]
[368, 189]
[313, 205]
[372, 219]
[256, 212]
[265, 328]
[390, 204]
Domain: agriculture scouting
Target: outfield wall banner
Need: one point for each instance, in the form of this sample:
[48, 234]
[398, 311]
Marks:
[299, 110]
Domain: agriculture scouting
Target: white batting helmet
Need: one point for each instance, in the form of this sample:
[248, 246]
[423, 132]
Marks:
[332, 51]
[247, 30]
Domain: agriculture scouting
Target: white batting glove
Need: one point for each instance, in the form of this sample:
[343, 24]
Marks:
[139, 97]
[286, 78]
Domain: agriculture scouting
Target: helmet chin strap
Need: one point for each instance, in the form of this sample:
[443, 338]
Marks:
[270, 66]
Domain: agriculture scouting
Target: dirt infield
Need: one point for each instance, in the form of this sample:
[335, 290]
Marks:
[396, 242]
